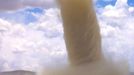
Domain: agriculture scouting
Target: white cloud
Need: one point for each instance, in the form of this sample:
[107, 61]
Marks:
[30, 46]
[117, 30]
[131, 9]
[111, 11]
[41, 43]
[121, 3]
[4, 25]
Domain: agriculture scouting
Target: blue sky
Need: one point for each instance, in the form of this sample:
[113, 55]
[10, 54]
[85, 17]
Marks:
[28, 17]
[131, 2]
[32, 33]
[103, 3]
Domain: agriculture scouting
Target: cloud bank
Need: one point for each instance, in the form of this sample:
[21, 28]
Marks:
[31, 46]
[116, 24]
[41, 43]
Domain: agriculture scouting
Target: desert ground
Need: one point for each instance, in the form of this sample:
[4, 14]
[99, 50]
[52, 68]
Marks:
[24, 72]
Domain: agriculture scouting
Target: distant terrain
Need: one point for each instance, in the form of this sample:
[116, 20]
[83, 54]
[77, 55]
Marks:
[18, 72]
[24, 72]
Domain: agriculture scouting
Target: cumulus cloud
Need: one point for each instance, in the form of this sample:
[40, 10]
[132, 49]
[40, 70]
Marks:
[116, 24]
[31, 46]
[121, 3]
[41, 43]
